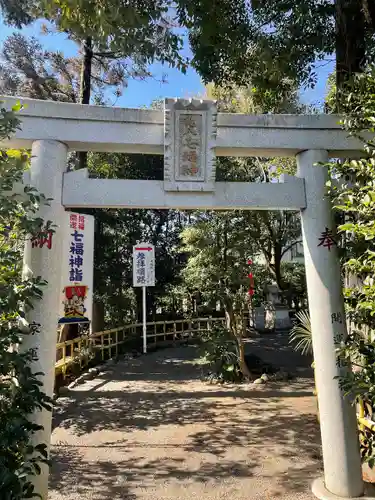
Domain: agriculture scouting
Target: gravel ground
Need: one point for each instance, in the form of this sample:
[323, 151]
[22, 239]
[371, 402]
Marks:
[150, 429]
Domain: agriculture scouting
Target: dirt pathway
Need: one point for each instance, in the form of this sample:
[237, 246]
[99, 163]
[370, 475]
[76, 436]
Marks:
[152, 430]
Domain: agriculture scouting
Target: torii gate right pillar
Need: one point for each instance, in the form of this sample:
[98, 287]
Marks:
[341, 458]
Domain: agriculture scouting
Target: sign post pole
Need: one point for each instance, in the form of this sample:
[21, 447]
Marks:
[144, 276]
[144, 320]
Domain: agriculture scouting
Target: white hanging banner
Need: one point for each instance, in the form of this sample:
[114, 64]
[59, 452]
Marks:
[143, 265]
[78, 269]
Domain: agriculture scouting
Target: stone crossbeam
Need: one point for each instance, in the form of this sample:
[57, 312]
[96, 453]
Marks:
[79, 191]
[100, 128]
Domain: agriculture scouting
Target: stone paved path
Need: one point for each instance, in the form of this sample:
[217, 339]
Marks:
[152, 430]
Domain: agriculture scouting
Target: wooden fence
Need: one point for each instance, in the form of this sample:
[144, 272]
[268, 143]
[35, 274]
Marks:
[364, 417]
[77, 353]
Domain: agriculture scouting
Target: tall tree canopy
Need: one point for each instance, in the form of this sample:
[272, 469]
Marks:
[27, 69]
[144, 31]
[230, 41]
[289, 36]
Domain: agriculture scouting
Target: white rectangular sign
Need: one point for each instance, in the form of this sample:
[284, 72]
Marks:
[143, 265]
[78, 268]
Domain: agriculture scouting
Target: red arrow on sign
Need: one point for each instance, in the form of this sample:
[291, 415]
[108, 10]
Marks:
[148, 249]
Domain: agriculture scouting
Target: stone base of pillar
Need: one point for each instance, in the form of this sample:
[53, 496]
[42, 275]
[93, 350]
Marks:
[320, 491]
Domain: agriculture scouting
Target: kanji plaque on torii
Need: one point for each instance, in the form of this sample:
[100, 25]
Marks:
[189, 142]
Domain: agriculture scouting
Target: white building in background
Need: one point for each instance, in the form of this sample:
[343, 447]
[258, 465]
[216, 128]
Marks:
[295, 254]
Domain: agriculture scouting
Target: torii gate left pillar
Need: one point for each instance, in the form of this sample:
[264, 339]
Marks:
[48, 163]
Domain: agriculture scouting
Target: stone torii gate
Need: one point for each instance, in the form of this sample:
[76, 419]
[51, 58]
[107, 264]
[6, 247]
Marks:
[190, 134]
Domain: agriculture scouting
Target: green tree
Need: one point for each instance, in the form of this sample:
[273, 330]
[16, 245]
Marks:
[117, 41]
[230, 42]
[354, 197]
[273, 233]
[292, 38]
[17, 13]
[26, 69]
[114, 31]
[139, 33]
[218, 248]
[295, 277]
[20, 386]
[117, 232]
[254, 98]
[220, 28]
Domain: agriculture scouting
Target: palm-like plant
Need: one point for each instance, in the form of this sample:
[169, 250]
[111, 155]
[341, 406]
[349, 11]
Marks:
[301, 339]
[300, 335]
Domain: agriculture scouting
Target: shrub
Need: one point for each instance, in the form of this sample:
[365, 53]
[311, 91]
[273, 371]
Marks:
[354, 198]
[300, 335]
[221, 352]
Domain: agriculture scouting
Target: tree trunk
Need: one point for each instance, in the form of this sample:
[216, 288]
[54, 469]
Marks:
[277, 266]
[97, 316]
[243, 366]
[85, 90]
[228, 318]
[98, 307]
[369, 12]
[86, 71]
[350, 42]
[350, 45]
[235, 330]
[84, 98]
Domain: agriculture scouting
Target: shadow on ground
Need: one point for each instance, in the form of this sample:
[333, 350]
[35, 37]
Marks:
[107, 479]
[151, 421]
